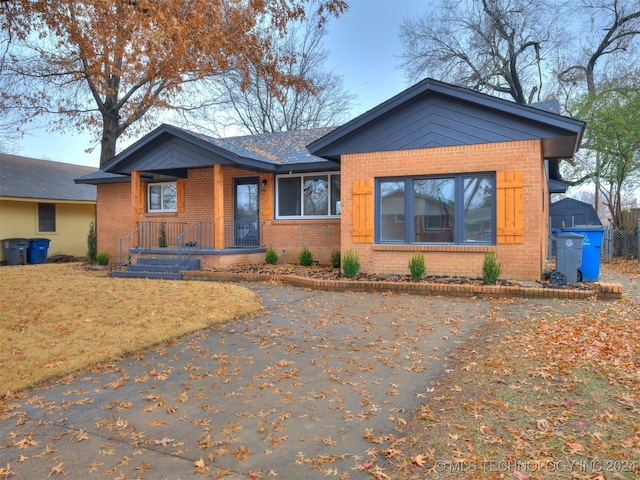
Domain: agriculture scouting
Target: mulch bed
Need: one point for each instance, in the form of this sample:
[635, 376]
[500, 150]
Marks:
[325, 272]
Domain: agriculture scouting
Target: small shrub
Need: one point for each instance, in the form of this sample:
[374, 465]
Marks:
[102, 258]
[271, 256]
[350, 263]
[305, 257]
[335, 258]
[417, 267]
[92, 244]
[491, 268]
[162, 240]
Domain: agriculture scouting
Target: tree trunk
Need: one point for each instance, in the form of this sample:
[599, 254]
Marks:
[110, 134]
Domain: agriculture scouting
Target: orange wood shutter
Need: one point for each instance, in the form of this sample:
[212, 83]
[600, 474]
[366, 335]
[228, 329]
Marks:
[137, 193]
[180, 195]
[362, 196]
[509, 207]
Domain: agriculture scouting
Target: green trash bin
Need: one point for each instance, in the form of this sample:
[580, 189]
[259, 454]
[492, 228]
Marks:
[38, 250]
[15, 250]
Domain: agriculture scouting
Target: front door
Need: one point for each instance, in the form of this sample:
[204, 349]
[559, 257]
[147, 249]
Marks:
[245, 215]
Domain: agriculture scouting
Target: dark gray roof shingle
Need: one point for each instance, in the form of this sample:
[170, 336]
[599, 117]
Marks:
[25, 177]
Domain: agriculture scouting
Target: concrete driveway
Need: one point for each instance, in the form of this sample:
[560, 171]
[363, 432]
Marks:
[300, 392]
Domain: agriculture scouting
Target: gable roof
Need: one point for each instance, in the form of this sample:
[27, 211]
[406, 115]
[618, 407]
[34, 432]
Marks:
[171, 148]
[23, 177]
[436, 114]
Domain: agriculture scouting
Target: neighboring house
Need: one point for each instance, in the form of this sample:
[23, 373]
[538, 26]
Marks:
[39, 199]
[437, 169]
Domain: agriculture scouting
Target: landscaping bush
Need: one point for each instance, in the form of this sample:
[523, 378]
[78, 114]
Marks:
[162, 240]
[271, 256]
[92, 244]
[417, 267]
[491, 268]
[102, 258]
[350, 263]
[305, 257]
[335, 258]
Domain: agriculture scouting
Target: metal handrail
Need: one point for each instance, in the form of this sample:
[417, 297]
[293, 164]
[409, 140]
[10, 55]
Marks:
[127, 238]
[198, 236]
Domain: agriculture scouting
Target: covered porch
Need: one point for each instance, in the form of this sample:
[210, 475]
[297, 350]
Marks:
[199, 239]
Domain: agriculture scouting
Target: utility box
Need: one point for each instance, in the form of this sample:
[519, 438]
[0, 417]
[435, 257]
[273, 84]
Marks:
[568, 258]
[15, 250]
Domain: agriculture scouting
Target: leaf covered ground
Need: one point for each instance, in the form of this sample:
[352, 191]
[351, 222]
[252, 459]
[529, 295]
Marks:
[60, 318]
[539, 396]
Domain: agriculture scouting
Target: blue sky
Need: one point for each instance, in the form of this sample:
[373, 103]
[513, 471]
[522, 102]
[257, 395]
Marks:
[364, 48]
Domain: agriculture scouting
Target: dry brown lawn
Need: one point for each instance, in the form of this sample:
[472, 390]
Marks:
[56, 319]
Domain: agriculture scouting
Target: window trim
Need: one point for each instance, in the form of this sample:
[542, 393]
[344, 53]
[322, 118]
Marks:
[329, 176]
[162, 185]
[458, 224]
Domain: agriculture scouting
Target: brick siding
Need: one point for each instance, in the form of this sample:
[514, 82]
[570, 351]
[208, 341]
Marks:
[521, 261]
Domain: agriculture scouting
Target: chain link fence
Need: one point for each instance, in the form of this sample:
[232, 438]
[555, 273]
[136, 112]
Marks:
[620, 243]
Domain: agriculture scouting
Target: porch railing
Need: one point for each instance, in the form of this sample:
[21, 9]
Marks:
[239, 233]
[198, 236]
[150, 235]
[187, 240]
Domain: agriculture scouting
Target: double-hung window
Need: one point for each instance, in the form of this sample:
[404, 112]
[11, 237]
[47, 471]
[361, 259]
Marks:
[314, 195]
[457, 209]
[162, 197]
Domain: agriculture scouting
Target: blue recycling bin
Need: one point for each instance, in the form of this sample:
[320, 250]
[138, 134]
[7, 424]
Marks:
[38, 250]
[593, 234]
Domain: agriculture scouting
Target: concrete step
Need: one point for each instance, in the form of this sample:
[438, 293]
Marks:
[154, 268]
[155, 275]
[187, 264]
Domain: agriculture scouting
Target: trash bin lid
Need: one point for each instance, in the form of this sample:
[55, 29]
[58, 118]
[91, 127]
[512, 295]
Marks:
[564, 234]
[585, 228]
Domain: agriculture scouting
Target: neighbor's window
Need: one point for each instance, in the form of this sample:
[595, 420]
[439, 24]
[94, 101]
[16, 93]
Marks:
[312, 195]
[455, 209]
[162, 197]
[46, 217]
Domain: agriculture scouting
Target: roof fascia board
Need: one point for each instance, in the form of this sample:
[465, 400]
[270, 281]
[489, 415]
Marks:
[46, 200]
[326, 166]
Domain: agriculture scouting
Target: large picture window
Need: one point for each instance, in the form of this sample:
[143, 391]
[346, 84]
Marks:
[458, 209]
[310, 196]
[162, 197]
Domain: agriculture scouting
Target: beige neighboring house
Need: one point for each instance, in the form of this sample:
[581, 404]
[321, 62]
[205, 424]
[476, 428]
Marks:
[39, 199]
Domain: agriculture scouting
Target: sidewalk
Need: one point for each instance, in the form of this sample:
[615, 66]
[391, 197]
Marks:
[302, 391]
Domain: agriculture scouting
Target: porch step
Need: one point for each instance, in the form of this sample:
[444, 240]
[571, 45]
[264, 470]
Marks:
[166, 268]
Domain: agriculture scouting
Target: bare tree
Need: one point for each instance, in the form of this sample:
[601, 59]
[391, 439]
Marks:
[251, 104]
[605, 37]
[108, 65]
[494, 46]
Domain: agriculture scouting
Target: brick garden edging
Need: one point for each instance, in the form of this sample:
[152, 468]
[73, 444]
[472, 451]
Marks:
[601, 291]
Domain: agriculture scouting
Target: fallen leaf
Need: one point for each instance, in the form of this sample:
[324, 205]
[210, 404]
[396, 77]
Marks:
[58, 470]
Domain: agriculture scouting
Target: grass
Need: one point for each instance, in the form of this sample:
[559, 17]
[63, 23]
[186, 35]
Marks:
[57, 319]
[543, 396]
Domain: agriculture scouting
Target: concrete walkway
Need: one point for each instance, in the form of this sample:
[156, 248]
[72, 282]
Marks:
[300, 392]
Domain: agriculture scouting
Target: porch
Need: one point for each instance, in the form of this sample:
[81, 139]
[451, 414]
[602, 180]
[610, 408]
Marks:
[237, 242]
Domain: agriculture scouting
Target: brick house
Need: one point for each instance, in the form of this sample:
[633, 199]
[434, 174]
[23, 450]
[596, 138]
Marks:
[437, 169]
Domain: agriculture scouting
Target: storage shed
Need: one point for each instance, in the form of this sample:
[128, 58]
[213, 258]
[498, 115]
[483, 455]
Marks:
[569, 212]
